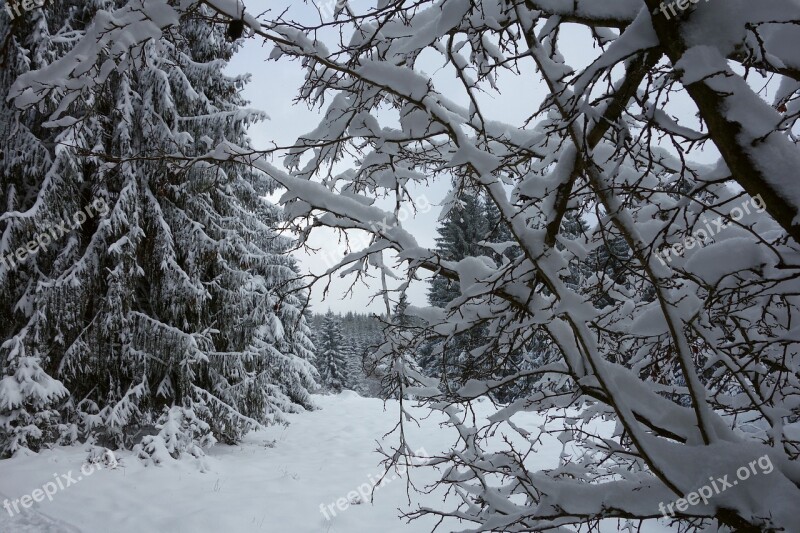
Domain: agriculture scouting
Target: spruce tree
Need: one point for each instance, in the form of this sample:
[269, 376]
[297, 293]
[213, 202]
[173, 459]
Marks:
[170, 305]
[395, 357]
[461, 231]
[498, 233]
[333, 364]
[29, 393]
[539, 350]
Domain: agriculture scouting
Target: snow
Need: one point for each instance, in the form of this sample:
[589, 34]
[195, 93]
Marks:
[622, 10]
[705, 305]
[276, 480]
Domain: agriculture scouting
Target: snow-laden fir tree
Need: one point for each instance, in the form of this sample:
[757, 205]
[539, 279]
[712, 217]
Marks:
[361, 333]
[352, 348]
[396, 363]
[461, 232]
[173, 307]
[29, 394]
[471, 228]
[332, 360]
[499, 238]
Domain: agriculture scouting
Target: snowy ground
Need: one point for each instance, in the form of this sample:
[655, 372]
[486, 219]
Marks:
[274, 482]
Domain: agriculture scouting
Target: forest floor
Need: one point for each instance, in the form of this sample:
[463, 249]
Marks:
[280, 480]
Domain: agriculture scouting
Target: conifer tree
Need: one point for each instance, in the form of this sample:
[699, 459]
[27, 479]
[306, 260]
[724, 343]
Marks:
[361, 335]
[463, 229]
[29, 393]
[398, 334]
[333, 364]
[170, 305]
[499, 234]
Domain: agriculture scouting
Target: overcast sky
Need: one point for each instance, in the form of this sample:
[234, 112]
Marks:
[272, 90]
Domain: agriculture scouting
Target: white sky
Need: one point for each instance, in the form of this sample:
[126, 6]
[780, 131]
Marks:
[272, 90]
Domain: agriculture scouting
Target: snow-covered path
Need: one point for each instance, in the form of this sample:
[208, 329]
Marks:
[33, 521]
[277, 481]
[274, 482]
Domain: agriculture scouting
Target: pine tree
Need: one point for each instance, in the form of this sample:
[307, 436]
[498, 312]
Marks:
[29, 393]
[168, 304]
[395, 358]
[28, 401]
[461, 231]
[361, 334]
[333, 364]
[498, 233]
[400, 315]
[539, 350]
[352, 349]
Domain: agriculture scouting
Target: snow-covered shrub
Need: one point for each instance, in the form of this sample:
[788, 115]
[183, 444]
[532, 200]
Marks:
[181, 432]
[29, 401]
[102, 457]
